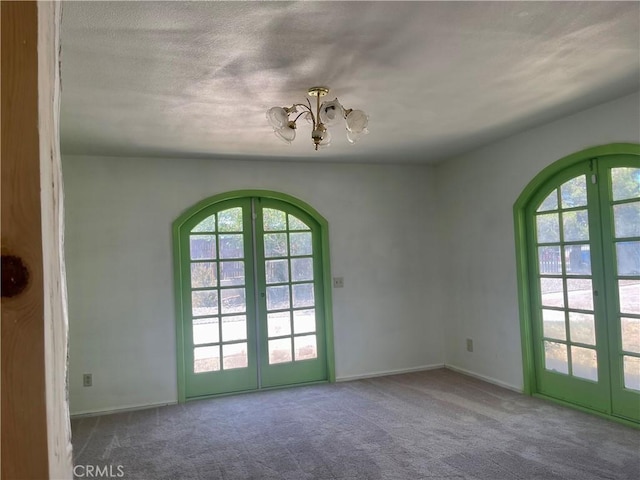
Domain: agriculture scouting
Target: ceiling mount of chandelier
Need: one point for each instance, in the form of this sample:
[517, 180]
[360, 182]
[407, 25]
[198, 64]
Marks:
[284, 119]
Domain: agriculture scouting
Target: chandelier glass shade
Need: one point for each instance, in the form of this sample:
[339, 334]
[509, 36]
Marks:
[328, 114]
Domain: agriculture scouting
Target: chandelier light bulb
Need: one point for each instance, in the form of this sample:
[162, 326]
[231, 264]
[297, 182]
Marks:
[278, 117]
[357, 121]
[331, 112]
[287, 133]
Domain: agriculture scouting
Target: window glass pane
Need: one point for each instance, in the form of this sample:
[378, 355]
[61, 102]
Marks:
[204, 274]
[627, 219]
[280, 351]
[629, 293]
[205, 330]
[206, 359]
[581, 328]
[233, 300]
[575, 225]
[302, 269]
[628, 258]
[300, 243]
[630, 330]
[277, 271]
[549, 260]
[580, 293]
[275, 245]
[584, 363]
[304, 321]
[297, 224]
[202, 247]
[549, 203]
[234, 328]
[231, 246]
[278, 324]
[577, 260]
[305, 347]
[231, 273]
[555, 357]
[206, 225]
[625, 183]
[303, 295]
[230, 220]
[548, 228]
[553, 325]
[234, 356]
[278, 298]
[632, 372]
[273, 219]
[552, 292]
[574, 192]
[204, 302]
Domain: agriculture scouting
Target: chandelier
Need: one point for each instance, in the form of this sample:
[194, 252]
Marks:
[326, 115]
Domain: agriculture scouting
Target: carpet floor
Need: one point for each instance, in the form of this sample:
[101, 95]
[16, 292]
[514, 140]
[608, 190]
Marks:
[435, 424]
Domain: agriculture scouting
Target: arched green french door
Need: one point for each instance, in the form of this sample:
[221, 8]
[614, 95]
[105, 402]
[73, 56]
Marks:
[583, 253]
[252, 298]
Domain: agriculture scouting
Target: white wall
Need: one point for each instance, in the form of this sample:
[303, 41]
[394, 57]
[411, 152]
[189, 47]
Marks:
[476, 193]
[120, 275]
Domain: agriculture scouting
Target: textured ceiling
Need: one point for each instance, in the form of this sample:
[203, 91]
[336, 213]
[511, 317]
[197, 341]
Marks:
[191, 79]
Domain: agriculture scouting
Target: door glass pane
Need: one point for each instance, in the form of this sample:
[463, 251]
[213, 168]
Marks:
[273, 219]
[206, 225]
[305, 347]
[577, 260]
[553, 324]
[203, 274]
[625, 183]
[234, 328]
[304, 321]
[626, 218]
[231, 273]
[234, 356]
[300, 243]
[278, 298]
[202, 247]
[552, 291]
[580, 293]
[574, 192]
[278, 324]
[280, 351]
[275, 245]
[555, 357]
[549, 260]
[629, 293]
[630, 330]
[230, 220]
[302, 269]
[628, 258]
[549, 203]
[632, 372]
[206, 359]
[297, 224]
[303, 295]
[277, 271]
[548, 228]
[584, 363]
[582, 328]
[204, 302]
[233, 300]
[205, 330]
[231, 246]
[575, 226]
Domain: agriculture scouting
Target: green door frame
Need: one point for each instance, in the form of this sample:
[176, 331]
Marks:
[522, 261]
[179, 282]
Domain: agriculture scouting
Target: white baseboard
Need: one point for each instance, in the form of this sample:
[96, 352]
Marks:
[497, 382]
[348, 378]
[130, 408]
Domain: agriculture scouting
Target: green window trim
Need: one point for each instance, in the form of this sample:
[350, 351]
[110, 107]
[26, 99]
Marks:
[179, 282]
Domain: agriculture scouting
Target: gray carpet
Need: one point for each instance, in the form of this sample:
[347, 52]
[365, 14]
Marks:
[436, 424]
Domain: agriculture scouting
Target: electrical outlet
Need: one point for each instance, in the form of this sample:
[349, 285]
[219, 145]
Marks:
[338, 282]
[87, 380]
[469, 345]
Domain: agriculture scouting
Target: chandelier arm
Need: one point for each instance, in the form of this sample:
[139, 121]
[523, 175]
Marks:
[302, 113]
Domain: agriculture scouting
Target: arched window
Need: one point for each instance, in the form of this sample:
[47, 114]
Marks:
[253, 302]
[578, 238]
